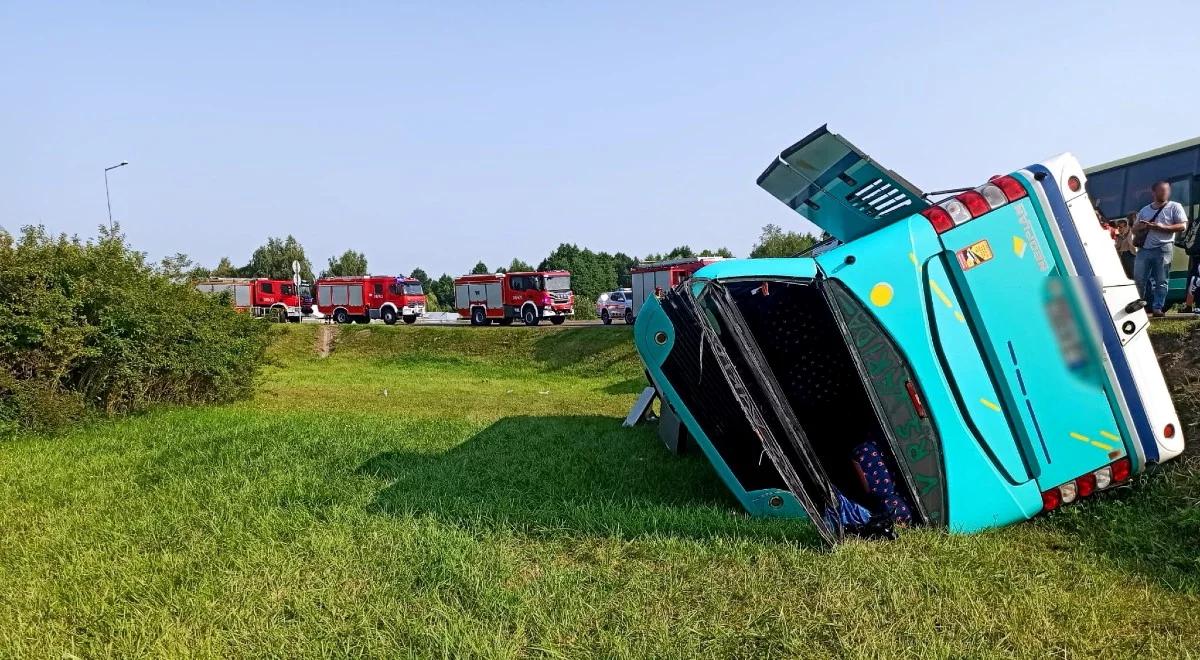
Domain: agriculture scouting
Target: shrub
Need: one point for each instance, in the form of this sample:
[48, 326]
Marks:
[92, 327]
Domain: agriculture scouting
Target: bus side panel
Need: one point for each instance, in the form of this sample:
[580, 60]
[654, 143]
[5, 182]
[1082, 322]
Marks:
[1018, 302]
[887, 271]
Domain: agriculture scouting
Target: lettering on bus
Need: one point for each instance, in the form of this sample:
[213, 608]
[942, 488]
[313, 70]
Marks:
[1035, 246]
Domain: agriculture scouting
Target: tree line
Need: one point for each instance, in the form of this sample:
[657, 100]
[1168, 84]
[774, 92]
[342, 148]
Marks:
[592, 272]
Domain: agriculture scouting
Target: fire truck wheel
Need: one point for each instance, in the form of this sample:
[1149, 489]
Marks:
[604, 317]
[478, 317]
[529, 316]
[364, 319]
[280, 315]
[410, 319]
[629, 317]
[558, 320]
[388, 315]
[340, 316]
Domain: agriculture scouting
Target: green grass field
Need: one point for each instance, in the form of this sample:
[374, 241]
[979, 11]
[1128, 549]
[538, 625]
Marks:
[463, 492]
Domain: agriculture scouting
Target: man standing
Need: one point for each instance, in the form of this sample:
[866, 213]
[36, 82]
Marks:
[1158, 220]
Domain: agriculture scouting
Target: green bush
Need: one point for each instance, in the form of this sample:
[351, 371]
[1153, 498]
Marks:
[91, 327]
[585, 308]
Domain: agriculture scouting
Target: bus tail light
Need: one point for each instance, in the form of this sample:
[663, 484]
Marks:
[1068, 492]
[1051, 499]
[974, 202]
[939, 218]
[1012, 188]
[1086, 485]
[966, 206]
[1120, 470]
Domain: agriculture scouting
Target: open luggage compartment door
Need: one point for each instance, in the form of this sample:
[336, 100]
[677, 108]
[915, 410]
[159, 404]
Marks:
[839, 188]
[718, 373]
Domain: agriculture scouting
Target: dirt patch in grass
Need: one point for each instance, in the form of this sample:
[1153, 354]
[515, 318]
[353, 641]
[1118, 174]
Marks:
[326, 335]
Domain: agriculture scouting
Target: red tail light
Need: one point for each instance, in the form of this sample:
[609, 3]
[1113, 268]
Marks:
[974, 202]
[1086, 485]
[939, 218]
[1012, 188]
[971, 204]
[1051, 499]
[916, 399]
[1120, 470]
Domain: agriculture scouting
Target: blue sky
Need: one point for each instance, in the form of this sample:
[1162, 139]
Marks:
[437, 134]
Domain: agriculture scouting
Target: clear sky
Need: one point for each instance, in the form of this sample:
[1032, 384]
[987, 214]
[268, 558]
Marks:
[436, 134]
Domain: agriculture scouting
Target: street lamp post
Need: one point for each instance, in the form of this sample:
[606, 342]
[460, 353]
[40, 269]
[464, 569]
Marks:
[107, 198]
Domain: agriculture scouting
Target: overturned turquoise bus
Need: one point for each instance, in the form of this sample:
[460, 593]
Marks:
[965, 364]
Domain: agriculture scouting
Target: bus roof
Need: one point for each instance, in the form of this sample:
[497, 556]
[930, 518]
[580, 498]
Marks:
[1177, 146]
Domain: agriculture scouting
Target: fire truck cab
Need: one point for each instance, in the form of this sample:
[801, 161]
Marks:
[504, 297]
[275, 299]
[360, 298]
[654, 278]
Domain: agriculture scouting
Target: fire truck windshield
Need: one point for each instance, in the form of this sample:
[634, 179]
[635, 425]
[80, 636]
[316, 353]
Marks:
[414, 289]
[558, 283]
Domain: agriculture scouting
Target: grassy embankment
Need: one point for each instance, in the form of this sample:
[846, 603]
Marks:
[460, 491]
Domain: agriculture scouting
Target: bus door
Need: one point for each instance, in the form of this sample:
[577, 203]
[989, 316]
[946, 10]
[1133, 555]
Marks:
[1025, 316]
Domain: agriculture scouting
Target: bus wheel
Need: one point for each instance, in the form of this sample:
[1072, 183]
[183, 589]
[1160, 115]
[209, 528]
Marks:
[478, 317]
[529, 316]
[340, 316]
[410, 319]
[629, 317]
[388, 315]
[558, 320]
[604, 317]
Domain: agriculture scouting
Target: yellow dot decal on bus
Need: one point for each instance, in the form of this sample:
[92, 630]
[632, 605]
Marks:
[881, 294]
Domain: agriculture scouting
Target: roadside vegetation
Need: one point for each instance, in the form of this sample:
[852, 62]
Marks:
[91, 327]
[427, 491]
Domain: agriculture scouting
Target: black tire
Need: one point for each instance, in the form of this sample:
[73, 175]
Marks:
[478, 317]
[628, 316]
[293, 319]
[558, 320]
[389, 316]
[340, 316]
[529, 316]
[280, 315]
[410, 319]
[605, 318]
[364, 319]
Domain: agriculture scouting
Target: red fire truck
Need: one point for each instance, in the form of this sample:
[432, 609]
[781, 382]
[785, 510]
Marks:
[658, 277]
[503, 297]
[275, 299]
[360, 298]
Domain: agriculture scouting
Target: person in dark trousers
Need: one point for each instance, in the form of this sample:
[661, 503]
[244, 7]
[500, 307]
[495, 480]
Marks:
[1157, 222]
[1125, 248]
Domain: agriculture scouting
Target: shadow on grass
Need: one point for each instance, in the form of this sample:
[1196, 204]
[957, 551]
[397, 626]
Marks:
[569, 475]
[1151, 529]
[633, 385]
[582, 347]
